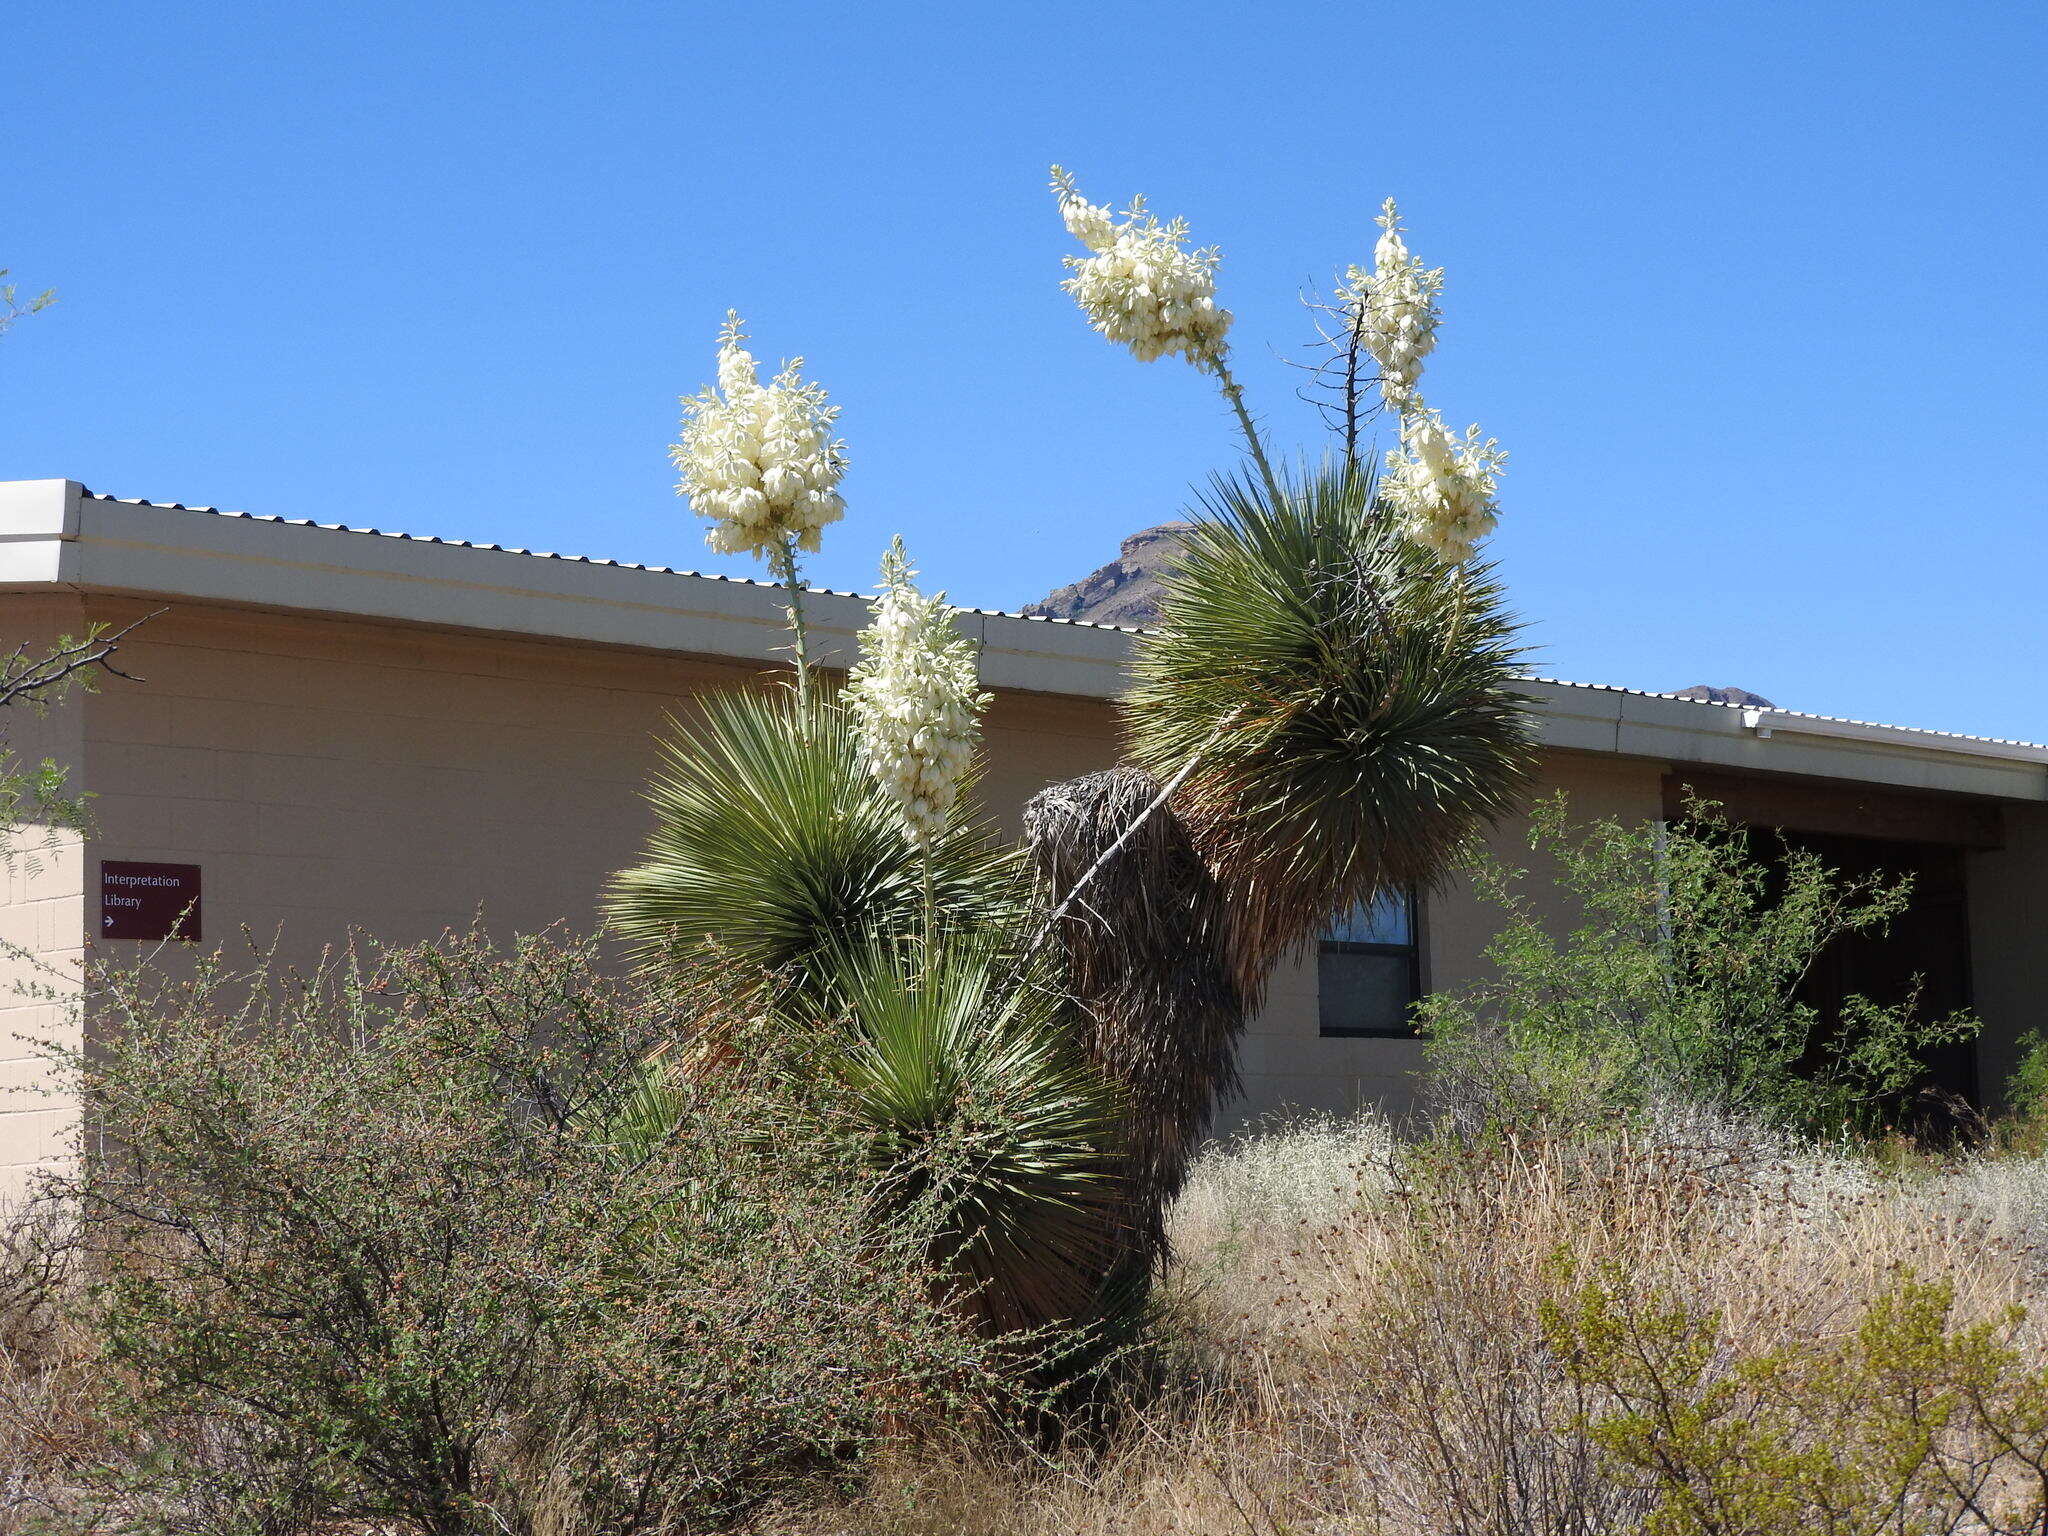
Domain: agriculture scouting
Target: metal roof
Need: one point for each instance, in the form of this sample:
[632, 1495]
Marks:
[1776, 712]
[541, 554]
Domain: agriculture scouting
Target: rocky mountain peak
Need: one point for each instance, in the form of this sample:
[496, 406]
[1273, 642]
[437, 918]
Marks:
[1125, 591]
[1707, 694]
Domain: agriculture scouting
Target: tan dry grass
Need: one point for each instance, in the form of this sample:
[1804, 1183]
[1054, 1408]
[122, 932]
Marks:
[1359, 1343]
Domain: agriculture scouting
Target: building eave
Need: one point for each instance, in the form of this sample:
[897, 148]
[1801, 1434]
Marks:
[56, 533]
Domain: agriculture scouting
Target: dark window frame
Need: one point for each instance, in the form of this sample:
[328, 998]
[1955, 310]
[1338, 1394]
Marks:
[1404, 1029]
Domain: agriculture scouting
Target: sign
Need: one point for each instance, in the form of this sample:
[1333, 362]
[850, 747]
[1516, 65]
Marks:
[149, 901]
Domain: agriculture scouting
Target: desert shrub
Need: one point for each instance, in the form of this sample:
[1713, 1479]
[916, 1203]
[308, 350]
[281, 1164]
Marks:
[1910, 1421]
[1281, 1174]
[2025, 1122]
[34, 803]
[377, 1244]
[1680, 980]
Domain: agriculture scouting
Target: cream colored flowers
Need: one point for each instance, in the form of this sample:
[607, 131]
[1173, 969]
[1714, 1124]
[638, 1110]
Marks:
[1442, 487]
[759, 460]
[915, 699]
[1139, 285]
[1394, 308]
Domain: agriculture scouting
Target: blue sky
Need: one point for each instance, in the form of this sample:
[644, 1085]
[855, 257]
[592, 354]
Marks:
[1754, 293]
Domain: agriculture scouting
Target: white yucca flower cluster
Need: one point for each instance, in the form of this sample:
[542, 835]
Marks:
[1394, 308]
[1442, 486]
[1140, 286]
[759, 460]
[915, 699]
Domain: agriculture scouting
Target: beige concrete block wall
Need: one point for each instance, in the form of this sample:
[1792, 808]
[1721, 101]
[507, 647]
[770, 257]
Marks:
[330, 773]
[1458, 925]
[333, 773]
[42, 914]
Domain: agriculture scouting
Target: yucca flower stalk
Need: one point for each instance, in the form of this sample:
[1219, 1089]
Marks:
[1441, 487]
[760, 462]
[916, 702]
[1142, 288]
[1393, 308]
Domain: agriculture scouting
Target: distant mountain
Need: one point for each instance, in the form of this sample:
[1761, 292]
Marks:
[1125, 591]
[1709, 695]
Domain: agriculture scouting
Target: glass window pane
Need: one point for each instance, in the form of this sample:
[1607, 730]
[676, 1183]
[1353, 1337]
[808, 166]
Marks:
[1365, 994]
[1386, 921]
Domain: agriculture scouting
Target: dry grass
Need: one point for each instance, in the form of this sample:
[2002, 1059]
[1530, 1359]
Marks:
[1360, 1347]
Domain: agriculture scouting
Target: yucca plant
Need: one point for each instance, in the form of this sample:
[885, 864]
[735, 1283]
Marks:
[982, 1119]
[958, 1083]
[1344, 707]
[1326, 713]
[778, 863]
[771, 841]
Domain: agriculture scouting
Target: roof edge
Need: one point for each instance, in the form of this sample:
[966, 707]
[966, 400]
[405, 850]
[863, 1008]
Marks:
[57, 530]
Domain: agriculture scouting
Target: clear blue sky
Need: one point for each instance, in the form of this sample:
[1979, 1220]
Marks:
[1753, 292]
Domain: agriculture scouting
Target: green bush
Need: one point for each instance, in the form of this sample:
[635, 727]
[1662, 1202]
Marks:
[376, 1245]
[1680, 979]
[1909, 1422]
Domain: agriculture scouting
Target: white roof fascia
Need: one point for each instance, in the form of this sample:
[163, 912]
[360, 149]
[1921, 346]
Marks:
[154, 551]
[39, 531]
[1585, 718]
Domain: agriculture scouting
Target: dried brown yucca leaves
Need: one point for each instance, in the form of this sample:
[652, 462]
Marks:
[1147, 964]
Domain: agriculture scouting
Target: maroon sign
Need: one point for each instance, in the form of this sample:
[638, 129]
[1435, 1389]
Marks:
[149, 901]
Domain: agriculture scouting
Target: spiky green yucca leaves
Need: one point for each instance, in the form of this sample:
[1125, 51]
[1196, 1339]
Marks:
[1350, 702]
[982, 1119]
[771, 841]
[942, 1054]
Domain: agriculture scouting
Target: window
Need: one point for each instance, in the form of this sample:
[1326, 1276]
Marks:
[1368, 973]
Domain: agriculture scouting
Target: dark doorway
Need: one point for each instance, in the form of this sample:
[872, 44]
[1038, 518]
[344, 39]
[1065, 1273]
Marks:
[1927, 945]
[1861, 831]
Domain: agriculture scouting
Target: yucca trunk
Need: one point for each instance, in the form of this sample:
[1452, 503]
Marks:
[1147, 964]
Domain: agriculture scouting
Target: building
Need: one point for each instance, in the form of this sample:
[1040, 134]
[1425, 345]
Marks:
[344, 727]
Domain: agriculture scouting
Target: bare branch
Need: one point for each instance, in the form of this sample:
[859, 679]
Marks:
[25, 678]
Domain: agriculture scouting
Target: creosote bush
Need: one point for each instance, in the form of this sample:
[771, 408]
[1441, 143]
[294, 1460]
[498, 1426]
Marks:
[376, 1245]
[1909, 1421]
